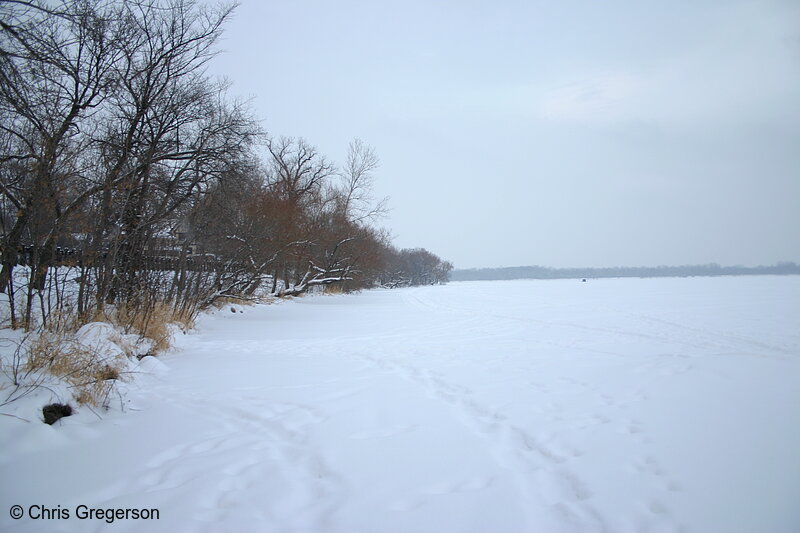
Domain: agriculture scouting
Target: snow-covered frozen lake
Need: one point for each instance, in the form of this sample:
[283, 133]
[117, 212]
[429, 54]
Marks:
[617, 405]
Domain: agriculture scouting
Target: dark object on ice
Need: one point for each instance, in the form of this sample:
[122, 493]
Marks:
[55, 411]
[583, 280]
[233, 309]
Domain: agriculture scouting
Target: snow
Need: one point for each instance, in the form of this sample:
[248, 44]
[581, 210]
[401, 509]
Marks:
[617, 405]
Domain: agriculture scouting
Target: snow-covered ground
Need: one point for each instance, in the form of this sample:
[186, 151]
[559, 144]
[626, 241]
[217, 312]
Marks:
[630, 405]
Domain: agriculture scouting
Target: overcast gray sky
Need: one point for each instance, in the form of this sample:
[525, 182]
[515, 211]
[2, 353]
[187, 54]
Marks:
[558, 133]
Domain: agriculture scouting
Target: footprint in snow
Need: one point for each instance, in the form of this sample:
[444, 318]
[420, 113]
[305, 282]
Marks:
[561, 486]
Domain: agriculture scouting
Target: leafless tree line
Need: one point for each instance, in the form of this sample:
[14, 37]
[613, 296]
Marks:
[116, 145]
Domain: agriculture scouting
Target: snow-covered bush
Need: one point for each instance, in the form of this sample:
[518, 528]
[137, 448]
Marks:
[85, 366]
[88, 361]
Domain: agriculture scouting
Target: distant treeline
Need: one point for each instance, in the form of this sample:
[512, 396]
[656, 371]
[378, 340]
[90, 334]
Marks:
[539, 272]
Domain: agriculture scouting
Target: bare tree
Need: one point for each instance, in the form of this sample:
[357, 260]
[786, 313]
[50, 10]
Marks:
[125, 163]
[56, 65]
[358, 183]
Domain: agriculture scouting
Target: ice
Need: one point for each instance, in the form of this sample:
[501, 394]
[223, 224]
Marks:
[617, 405]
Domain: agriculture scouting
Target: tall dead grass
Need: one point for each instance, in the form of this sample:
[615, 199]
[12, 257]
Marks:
[151, 321]
[333, 288]
[90, 373]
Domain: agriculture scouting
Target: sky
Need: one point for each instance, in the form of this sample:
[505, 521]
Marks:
[570, 133]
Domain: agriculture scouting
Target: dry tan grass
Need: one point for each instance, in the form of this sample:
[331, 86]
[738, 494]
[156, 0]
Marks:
[222, 301]
[155, 326]
[124, 343]
[152, 324]
[150, 321]
[63, 321]
[184, 320]
[91, 373]
[333, 288]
